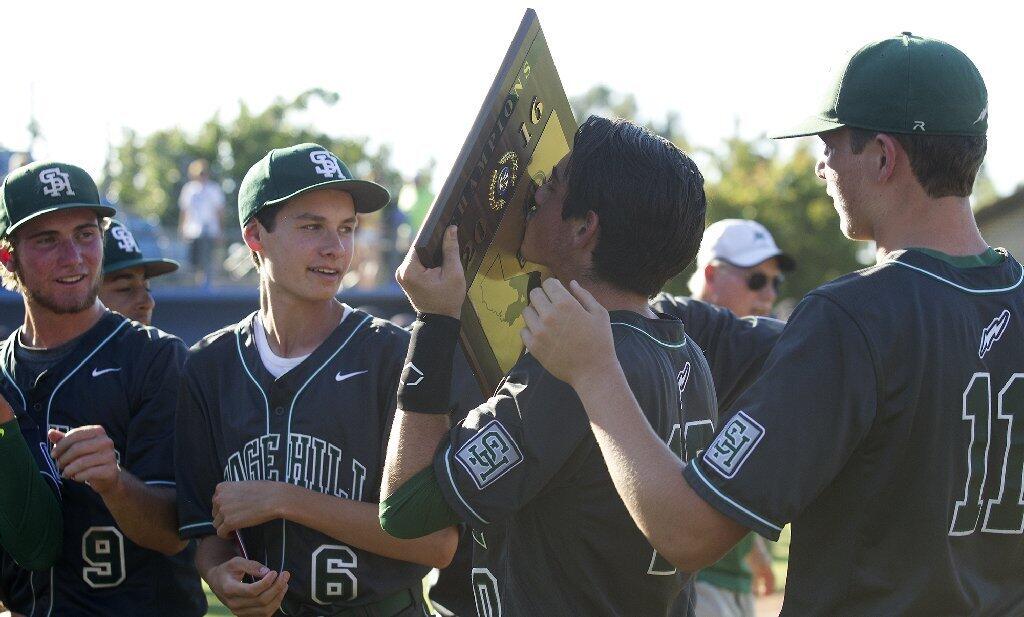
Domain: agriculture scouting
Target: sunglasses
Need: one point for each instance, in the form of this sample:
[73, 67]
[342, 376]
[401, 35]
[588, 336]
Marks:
[757, 281]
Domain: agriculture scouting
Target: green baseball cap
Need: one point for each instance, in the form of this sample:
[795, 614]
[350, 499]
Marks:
[287, 172]
[906, 84]
[44, 187]
[121, 251]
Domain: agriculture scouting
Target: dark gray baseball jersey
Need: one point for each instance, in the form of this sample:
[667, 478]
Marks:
[323, 426]
[551, 535]
[124, 377]
[886, 426]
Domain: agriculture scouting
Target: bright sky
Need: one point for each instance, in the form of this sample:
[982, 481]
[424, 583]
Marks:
[413, 75]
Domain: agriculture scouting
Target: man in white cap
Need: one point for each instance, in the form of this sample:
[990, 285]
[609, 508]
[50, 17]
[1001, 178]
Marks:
[739, 267]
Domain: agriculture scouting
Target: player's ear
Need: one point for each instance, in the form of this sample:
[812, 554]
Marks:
[586, 229]
[888, 151]
[252, 233]
[7, 258]
[709, 273]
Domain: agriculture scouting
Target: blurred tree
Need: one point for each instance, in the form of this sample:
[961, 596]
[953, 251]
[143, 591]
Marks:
[145, 174]
[603, 101]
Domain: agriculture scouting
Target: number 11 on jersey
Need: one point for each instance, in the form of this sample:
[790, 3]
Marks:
[1003, 511]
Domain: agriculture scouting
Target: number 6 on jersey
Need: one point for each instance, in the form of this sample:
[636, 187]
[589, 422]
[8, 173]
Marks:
[333, 579]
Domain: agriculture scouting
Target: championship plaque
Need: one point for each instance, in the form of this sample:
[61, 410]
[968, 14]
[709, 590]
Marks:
[523, 129]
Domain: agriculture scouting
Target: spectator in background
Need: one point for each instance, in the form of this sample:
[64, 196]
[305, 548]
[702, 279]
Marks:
[739, 267]
[202, 206]
[126, 274]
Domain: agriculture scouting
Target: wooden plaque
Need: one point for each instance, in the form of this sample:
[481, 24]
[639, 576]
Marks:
[524, 127]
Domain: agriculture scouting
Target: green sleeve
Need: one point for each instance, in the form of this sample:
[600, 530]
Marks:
[417, 508]
[31, 523]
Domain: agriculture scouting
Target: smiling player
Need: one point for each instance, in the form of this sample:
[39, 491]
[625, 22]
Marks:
[102, 390]
[284, 417]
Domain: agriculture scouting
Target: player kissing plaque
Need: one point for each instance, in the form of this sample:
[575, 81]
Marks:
[524, 127]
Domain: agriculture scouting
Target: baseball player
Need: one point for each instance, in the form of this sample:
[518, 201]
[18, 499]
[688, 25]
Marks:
[284, 416]
[126, 274]
[550, 535]
[884, 425]
[94, 395]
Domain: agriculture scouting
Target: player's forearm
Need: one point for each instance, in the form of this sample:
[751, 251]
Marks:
[146, 514]
[649, 478]
[212, 551]
[31, 522]
[356, 523]
[424, 389]
[411, 446]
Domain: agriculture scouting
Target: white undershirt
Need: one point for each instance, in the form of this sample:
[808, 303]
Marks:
[277, 365]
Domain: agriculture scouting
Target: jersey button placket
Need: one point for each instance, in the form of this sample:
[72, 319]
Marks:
[279, 399]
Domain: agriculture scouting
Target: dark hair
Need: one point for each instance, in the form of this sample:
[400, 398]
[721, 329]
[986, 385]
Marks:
[944, 165]
[267, 217]
[649, 199]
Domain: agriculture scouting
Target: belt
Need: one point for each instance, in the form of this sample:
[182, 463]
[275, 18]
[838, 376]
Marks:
[389, 606]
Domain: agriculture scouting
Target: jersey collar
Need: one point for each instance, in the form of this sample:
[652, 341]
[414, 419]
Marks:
[1002, 277]
[88, 344]
[666, 330]
[293, 379]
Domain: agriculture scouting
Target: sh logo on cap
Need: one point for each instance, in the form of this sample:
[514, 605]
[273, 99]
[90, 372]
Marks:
[326, 165]
[125, 240]
[56, 182]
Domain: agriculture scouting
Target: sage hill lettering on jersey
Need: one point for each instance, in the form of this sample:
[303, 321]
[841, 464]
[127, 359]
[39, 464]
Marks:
[310, 462]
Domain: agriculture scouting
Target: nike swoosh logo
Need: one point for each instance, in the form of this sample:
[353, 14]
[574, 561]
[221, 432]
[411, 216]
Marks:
[97, 373]
[340, 377]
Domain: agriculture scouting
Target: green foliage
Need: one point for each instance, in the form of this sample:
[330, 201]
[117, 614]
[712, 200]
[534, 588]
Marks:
[144, 174]
[603, 101]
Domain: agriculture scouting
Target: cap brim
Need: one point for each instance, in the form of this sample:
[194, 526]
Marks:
[153, 266]
[368, 196]
[815, 125]
[785, 262]
[104, 211]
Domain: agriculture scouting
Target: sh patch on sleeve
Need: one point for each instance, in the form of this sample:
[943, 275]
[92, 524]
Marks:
[734, 444]
[490, 454]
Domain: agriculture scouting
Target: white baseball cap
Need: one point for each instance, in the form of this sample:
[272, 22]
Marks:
[742, 243]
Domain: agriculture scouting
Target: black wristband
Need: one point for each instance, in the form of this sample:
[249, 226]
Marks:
[426, 384]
